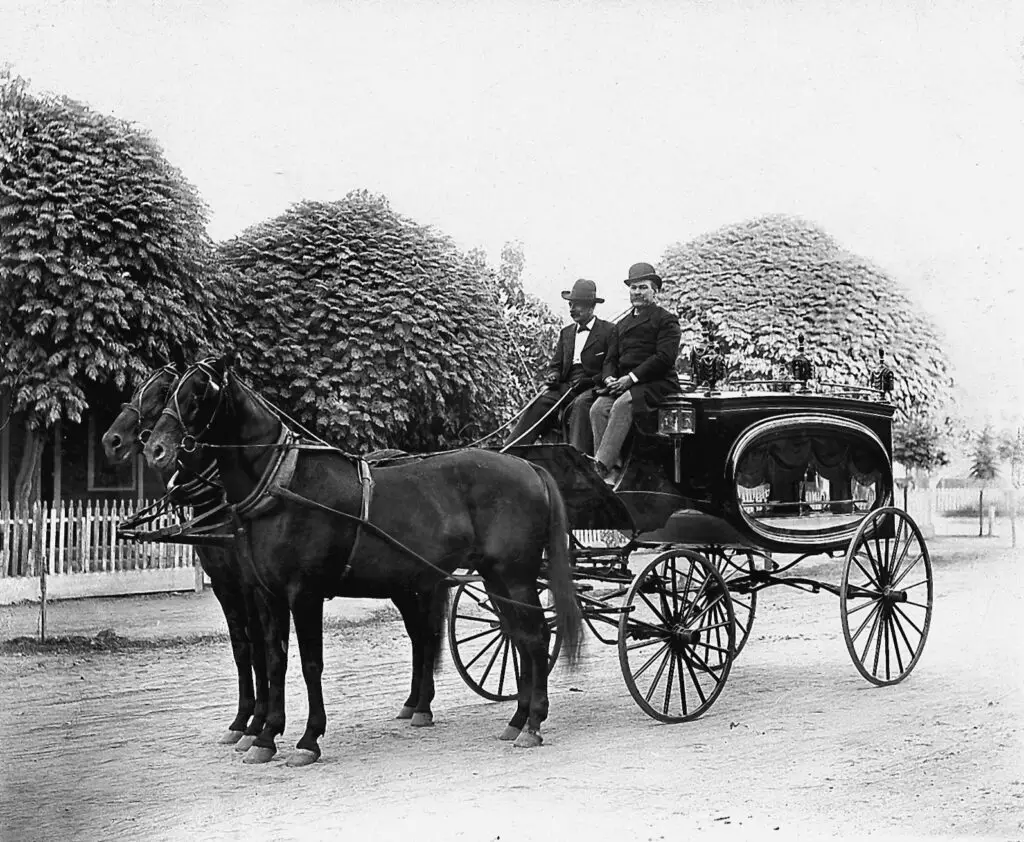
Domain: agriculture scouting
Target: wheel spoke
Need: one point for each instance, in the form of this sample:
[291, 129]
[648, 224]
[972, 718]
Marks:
[494, 657]
[643, 644]
[696, 681]
[906, 617]
[874, 604]
[871, 636]
[903, 575]
[651, 660]
[496, 640]
[658, 675]
[873, 580]
[668, 684]
[477, 635]
[682, 684]
[657, 613]
[868, 603]
[899, 627]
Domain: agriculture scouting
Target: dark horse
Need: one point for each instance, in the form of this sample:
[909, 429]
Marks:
[124, 438]
[314, 523]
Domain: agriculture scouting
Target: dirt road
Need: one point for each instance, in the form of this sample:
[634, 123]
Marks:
[121, 745]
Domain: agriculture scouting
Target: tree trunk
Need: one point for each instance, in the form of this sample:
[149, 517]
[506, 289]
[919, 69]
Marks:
[26, 484]
[981, 512]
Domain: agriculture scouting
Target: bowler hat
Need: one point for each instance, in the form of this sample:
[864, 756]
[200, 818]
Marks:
[643, 272]
[583, 290]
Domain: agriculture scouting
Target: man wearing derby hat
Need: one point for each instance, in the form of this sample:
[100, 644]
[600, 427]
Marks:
[642, 372]
[576, 365]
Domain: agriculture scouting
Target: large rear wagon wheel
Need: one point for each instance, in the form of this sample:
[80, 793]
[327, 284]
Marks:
[734, 563]
[482, 649]
[677, 636]
[886, 596]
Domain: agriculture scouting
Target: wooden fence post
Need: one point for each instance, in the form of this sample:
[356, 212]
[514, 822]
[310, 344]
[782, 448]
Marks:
[41, 564]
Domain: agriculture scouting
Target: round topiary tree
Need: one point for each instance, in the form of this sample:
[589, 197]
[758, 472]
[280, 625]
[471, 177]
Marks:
[764, 282]
[374, 331]
[103, 246]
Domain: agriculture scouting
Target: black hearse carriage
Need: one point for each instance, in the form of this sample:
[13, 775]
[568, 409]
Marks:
[730, 489]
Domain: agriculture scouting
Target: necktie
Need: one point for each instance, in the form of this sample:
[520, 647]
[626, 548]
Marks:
[582, 328]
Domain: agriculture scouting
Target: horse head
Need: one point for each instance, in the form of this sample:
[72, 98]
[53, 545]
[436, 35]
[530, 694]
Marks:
[188, 417]
[132, 426]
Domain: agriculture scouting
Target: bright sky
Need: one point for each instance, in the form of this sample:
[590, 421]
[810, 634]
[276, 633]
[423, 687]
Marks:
[596, 133]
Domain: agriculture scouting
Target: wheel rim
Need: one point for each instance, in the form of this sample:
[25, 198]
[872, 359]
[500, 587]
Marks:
[677, 636]
[734, 564]
[482, 649]
[886, 596]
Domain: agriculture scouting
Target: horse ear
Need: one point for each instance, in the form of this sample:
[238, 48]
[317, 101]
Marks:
[178, 359]
[225, 363]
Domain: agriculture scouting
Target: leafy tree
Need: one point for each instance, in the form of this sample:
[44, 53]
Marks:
[984, 467]
[531, 325]
[102, 248]
[369, 328]
[919, 443]
[764, 282]
[1011, 449]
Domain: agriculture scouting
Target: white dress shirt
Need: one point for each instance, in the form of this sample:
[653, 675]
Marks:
[581, 339]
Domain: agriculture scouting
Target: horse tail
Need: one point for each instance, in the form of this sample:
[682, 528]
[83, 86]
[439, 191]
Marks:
[567, 608]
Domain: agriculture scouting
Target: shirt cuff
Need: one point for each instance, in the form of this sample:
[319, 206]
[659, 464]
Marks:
[633, 377]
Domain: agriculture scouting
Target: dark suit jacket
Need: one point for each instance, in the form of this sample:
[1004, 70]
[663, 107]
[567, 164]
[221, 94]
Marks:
[599, 345]
[647, 346]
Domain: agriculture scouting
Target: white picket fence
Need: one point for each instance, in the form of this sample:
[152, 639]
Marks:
[79, 537]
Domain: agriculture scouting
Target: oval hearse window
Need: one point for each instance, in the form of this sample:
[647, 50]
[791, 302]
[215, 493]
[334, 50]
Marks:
[809, 479]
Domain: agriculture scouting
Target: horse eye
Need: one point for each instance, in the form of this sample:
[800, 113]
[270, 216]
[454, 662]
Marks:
[144, 436]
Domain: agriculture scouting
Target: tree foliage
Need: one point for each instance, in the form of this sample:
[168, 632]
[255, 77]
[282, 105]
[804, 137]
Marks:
[920, 443]
[764, 282]
[369, 328]
[531, 325]
[102, 251]
[984, 456]
[1011, 449]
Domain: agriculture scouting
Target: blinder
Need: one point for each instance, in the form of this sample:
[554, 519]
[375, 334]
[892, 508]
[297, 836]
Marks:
[191, 441]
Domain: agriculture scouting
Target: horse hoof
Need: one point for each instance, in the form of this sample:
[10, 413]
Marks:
[406, 712]
[230, 738]
[422, 720]
[245, 742]
[509, 734]
[303, 757]
[258, 754]
[528, 739]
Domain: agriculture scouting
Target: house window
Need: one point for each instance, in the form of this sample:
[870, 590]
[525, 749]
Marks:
[102, 475]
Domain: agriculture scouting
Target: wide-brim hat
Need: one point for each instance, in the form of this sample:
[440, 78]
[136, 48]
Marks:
[642, 272]
[583, 290]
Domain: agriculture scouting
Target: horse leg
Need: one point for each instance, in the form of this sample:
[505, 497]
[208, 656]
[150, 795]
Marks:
[258, 659]
[308, 616]
[408, 606]
[530, 633]
[273, 614]
[423, 615]
[229, 596]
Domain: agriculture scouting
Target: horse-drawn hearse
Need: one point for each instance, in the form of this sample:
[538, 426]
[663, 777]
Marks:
[724, 491]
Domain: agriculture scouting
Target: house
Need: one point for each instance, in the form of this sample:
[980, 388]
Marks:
[73, 465]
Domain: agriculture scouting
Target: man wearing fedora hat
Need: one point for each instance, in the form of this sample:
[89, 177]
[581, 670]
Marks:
[576, 365]
[642, 372]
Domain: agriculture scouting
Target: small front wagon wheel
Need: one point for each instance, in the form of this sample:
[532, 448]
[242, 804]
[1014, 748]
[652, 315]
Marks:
[482, 649]
[886, 596]
[677, 636]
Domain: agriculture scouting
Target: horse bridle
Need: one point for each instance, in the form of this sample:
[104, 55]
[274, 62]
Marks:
[189, 441]
[135, 404]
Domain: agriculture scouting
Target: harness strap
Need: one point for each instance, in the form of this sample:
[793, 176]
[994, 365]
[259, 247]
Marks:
[279, 472]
